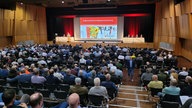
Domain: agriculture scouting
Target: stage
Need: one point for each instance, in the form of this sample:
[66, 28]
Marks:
[125, 42]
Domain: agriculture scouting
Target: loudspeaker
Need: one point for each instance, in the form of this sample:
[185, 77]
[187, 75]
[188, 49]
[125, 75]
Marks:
[85, 1]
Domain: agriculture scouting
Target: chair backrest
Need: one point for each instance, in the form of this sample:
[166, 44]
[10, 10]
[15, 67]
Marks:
[60, 95]
[95, 100]
[111, 93]
[28, 91]
[64, 87]
[168, 104]
[50, 103]
[37, 86]
[45, 92]
[83, 100]
[25, 85]
[51, 87]
[154, 91]
[171, 98]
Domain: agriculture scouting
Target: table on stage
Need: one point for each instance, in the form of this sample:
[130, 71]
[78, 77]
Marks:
[64, 39]
[133, 40]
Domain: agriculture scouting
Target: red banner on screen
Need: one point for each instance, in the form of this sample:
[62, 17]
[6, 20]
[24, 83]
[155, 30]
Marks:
[98, 21]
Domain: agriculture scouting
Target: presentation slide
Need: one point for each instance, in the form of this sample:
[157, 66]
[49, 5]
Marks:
[98, 28]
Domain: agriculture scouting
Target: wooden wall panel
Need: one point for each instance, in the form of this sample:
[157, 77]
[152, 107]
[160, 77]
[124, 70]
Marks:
[9, 14]
[164, 39]
[31, 12]
[171, 8]
[190, 26]
[187, 6]
[178, 10]
[5, 41]
[1, 14]
[182, 8]
[190, 6]
[20, 12]
[164, 27]
[33, 25]
[1, 27]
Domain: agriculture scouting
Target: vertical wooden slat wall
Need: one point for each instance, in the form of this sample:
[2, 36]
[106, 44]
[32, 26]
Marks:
[6, 27]
[30, 23]
[27, 22]
[176, 26]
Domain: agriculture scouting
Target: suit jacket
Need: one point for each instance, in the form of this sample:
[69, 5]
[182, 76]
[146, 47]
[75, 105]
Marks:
[80, 90]
[128, 64]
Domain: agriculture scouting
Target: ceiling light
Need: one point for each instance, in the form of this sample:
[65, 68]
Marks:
[62, 1]
[21, 3]
[108, 0]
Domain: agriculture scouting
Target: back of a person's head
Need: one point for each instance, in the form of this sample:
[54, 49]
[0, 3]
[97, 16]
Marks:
[190, 81]
[148, 70]
[73, 100]
[155, 78]
[78, 81]
[184, 68]
[35, 71]
[108, 77]
[173, 82]
[8, 96]
[36, 100]
[97, 82]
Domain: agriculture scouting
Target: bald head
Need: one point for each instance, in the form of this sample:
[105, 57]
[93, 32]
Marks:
[36, 100]
[73, 100]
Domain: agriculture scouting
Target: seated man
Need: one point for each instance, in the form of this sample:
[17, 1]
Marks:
[155, 84]
[172, 89]
[110, 86]
[8, 98]
[98, 90]
[82, 91]
[171, 93]
[187, 89]
[77, 88]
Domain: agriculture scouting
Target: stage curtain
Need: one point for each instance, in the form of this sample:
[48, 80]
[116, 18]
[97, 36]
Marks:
[139, 25]
[68, 26]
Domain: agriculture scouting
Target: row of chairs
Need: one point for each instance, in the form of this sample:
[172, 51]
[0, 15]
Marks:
[167, 101]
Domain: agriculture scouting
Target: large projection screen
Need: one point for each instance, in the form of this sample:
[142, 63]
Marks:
[98, 28]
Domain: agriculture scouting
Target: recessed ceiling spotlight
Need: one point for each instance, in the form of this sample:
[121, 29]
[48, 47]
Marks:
[21, 3]
[108, 0]
[62, 1]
